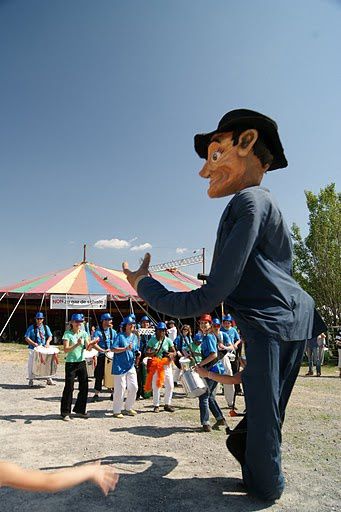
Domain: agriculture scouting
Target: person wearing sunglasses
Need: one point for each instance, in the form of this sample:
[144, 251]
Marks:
[75, 340]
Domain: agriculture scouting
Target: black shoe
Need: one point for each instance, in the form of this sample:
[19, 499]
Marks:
[219, 423]
[169, 408]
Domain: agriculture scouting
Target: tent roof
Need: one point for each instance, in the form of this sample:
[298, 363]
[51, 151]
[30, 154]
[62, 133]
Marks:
[87, 278]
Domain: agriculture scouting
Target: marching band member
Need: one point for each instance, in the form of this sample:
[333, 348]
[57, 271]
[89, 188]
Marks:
[225, 344]
[207, 401]
[75, 341]
[237, 342]
[37, 335]
[182, 344]
[161, 349]
[125, 348]
[140, 369]
[195, 352]
[105, 336]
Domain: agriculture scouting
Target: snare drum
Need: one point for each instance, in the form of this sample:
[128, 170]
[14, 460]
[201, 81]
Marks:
[184, 363]
[45, 362]
[193, 384]
[108, 376]
[90, 361]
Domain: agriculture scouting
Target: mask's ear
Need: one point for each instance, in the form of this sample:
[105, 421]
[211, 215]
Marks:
[247, 140]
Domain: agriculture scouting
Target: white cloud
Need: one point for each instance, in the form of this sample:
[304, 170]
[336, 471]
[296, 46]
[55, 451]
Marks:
[181, 250]
[114, 243]
[141, 247]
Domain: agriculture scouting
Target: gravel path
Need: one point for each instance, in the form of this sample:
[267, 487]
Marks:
[166, 463]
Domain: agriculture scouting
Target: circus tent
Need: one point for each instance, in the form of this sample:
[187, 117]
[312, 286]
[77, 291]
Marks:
[82, 279]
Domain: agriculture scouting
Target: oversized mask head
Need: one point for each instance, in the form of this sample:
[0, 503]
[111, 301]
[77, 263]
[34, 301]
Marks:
[231, 166]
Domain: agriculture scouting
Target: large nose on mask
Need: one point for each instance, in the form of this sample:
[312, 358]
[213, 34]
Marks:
[204, 173]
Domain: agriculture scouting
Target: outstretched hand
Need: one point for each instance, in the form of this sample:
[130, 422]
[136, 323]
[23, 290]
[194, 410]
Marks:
[135, 277]
[105, 477]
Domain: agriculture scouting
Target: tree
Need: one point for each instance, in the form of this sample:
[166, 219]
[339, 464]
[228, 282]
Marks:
[317, 258]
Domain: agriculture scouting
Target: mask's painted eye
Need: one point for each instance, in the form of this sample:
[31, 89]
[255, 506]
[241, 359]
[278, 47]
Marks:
[215, 156]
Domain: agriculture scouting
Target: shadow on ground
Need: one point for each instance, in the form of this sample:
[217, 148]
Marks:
[143, 486]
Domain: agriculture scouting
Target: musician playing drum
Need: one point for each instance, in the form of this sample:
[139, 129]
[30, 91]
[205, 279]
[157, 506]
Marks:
[162, 348]
[38, 335]
[105, 336]
[143, 342]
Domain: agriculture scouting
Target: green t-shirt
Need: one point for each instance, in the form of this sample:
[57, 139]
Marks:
[76, 355]
[196, 352]
[166, 345]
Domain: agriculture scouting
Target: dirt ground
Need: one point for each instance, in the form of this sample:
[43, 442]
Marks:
[166, 463]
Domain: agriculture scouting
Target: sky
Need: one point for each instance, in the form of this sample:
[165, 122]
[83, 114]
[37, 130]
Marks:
[100, 101]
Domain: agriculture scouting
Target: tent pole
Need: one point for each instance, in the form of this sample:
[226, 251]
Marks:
[4, 327]
[42, 300]
[25, 312]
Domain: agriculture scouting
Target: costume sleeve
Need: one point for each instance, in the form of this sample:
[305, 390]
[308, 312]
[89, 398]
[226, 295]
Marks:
[250, 213]
[116, 342]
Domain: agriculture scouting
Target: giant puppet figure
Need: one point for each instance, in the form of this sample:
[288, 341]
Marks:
[251, 273]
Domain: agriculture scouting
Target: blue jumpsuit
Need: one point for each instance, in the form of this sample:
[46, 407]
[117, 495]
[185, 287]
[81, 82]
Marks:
[251, 273]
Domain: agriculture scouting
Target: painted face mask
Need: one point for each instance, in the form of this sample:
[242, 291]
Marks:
[224, 167]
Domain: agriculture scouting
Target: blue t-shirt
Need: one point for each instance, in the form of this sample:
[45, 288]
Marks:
[225, 338]
[182, 343]
[232, 334]
[106, 342]
[37, 334]
[124, 361]
[209, 345]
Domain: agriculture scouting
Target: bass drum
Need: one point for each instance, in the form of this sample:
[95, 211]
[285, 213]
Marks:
[45, 362]
[108, 376]
[91, 361]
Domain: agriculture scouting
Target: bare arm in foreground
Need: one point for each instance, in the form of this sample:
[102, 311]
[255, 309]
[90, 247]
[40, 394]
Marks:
[12, 475]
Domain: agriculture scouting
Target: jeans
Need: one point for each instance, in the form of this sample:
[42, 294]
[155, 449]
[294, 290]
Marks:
[207, 402]
[270, 374]
[314, 357]
[73, 370]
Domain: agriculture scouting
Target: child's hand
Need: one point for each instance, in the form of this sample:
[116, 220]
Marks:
[105, 477]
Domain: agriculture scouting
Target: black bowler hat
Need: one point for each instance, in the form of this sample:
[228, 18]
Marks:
[243, 118]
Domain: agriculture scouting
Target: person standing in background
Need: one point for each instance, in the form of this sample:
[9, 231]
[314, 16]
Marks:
[38, 334]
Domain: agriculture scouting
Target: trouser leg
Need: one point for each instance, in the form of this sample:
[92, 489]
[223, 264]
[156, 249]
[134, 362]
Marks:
[140, 380]
[317, 359]
[156, 391]
[82, 375]
[176, 374]
[272, 367]
[99, 373]
[204, 410]
[70, 375]
[310, 356]
[30, 364]
[131, 388]
[120, 385]
[228, 388]
[169, 384]
[212, 403]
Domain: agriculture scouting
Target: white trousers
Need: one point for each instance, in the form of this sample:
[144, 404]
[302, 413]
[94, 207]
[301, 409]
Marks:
[228, 388]
[177, 372]
[126, 381]
[30, 364]
[169, 386]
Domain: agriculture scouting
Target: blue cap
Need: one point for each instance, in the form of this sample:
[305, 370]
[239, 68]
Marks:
[144, 319]
[39, 314]
[133, 316]
[106, 316]
[216, 321]
[161, 326]
[227, 318]
[77, 317]
[128, 320]
[198, 337]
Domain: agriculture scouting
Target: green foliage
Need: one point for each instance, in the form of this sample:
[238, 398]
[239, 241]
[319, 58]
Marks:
[317, 258]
